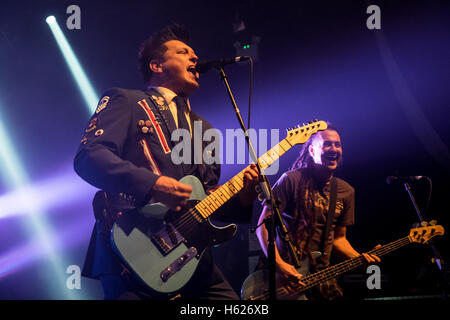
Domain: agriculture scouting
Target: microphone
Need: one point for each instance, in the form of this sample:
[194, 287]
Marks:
[206, 65]
[394, 179]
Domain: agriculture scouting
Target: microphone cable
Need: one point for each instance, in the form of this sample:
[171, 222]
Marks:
[250, 93]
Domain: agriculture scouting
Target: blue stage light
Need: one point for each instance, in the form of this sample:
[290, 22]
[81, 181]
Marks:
[16, 178]
[50, 19]
[87, 91]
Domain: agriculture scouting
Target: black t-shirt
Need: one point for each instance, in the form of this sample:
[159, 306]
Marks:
[288, 191]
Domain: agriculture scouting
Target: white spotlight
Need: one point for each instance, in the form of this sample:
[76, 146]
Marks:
[50, 19]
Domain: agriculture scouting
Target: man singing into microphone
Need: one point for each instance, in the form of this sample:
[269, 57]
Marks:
[126, 152]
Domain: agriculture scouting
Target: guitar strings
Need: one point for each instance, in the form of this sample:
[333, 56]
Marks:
[190, 217]
[331, 272]
[187, 219]
[186, 222]
[216, 200]
[350, 264]
[314, 279]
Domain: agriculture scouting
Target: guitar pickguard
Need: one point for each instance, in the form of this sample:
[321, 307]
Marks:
[167, 238]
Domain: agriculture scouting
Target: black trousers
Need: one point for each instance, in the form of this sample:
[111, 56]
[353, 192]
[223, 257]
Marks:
[124, 287]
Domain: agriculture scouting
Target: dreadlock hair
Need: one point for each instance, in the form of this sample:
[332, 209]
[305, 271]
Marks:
[304, 218]
[153, 47]
[304, 160]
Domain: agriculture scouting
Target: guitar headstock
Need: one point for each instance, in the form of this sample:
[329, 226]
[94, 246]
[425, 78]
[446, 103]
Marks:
[425, 233]
[298, 135]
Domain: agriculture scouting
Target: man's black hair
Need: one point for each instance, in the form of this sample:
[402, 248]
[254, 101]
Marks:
[304, 160]
[153, 47]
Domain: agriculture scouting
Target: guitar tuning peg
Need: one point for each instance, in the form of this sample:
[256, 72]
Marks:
[424, 223]
[433, 222]
[415, 225]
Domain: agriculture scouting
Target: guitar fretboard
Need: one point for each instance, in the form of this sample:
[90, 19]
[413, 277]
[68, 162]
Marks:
[340, 268]
[416, 235]
[216, 199]
[332, 272]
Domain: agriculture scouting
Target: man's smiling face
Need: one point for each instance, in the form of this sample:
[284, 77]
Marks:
[326, 149]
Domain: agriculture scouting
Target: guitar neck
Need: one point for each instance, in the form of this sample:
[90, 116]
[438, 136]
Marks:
[229, 189]
[340, 268]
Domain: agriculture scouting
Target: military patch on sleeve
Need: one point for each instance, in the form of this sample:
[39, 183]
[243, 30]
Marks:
[102, 104]
[92, 125]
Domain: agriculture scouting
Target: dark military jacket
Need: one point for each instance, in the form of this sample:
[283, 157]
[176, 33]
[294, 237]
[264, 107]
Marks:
[125, 147]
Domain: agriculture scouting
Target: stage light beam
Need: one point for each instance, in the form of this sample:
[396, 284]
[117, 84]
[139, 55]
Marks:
[87, 91]
[62, 189]
[50, 19]
[15, 177]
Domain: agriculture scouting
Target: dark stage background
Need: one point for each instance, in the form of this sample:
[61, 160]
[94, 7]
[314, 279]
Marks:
[387, 90]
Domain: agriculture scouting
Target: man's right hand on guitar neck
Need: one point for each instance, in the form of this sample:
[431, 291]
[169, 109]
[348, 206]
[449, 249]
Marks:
[171, 192]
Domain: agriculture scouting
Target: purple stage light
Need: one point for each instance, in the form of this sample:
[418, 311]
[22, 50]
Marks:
[51, 193]
[21, 257]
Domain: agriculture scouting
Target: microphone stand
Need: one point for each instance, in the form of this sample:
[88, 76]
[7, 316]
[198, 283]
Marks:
[273, 220]
[437, 256]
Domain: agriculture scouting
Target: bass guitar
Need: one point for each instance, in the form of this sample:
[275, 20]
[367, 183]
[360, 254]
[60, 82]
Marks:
[163, 248]
[256, 286]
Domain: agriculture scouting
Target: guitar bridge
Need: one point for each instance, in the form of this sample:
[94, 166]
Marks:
[179, 263]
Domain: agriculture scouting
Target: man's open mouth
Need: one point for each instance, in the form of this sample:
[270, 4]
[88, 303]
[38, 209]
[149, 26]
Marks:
[332, 156]
[192, 70]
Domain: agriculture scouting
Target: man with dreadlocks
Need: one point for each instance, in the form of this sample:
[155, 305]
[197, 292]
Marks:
[304, 198]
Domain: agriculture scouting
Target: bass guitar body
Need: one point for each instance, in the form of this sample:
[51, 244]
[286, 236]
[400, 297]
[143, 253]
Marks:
[256, 286]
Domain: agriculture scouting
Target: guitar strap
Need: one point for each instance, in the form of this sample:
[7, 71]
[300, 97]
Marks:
[331, 212]
[330, 289]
